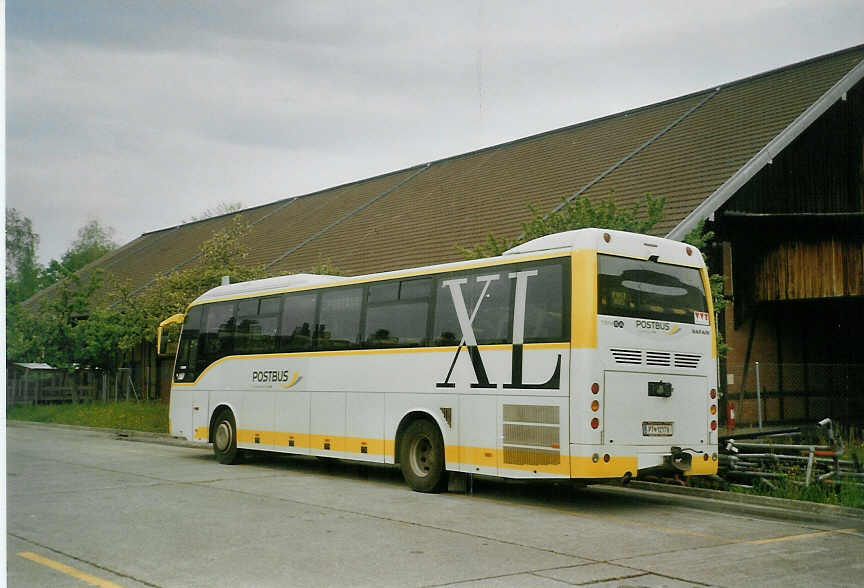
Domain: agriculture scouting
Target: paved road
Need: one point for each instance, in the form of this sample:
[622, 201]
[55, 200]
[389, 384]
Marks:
[141, 514]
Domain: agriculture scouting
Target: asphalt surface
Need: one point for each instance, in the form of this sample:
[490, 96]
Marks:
[86, 508]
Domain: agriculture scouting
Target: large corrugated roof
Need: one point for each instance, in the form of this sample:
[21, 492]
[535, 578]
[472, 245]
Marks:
[684, 149]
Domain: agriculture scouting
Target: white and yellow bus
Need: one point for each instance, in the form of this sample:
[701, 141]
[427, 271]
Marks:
[588, 354]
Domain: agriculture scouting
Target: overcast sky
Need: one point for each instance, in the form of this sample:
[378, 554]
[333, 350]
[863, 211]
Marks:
[140, 114]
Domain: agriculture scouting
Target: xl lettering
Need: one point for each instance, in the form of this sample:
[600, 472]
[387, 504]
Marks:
[469, 339]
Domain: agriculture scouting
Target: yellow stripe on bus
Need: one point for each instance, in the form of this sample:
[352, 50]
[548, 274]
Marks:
[706, 284]
[351, 352]
[485, 457]
[482, 457]
[616, 467]
[583, 307]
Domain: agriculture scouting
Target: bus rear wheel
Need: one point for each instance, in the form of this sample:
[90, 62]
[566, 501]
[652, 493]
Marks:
[225, 438]
[421, 457]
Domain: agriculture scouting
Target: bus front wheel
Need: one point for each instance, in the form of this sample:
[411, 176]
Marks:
[225, 438]
[421, 457]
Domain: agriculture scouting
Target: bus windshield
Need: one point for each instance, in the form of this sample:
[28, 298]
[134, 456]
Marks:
[645, 289]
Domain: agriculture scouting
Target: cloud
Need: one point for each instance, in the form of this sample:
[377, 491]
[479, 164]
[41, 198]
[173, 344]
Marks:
[141, 114]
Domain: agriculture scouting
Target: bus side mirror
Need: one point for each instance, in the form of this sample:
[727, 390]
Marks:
[168, 335]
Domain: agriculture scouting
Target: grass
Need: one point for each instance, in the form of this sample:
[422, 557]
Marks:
[841, 494]
[137, 416]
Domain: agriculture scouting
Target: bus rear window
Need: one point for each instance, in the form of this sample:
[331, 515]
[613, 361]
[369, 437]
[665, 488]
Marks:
[645, 289]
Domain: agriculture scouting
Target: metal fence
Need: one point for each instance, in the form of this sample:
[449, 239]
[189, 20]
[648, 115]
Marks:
[51, 386]
[774, 393]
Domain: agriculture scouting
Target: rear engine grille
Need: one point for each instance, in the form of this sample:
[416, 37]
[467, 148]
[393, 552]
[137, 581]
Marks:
[687, 360]
[525, 456]
[527, 413]
[532, 434]
[631, 356]
[656, 358]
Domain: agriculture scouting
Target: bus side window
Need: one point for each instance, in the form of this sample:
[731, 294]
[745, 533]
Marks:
[339, 321]
[397, 313]
[257, 325]
[494, 319]
[546, 316]
[217, 339]
[186, 368]
[298, 318]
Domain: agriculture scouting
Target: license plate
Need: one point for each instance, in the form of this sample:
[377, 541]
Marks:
[656, 429]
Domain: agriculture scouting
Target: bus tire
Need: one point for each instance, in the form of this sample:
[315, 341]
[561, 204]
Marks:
[421, 457]
[225, 438]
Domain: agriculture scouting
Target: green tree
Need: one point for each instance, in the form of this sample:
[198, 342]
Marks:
[58, 317]
[705, 241]
[92, 242]
[78, 324]
[23, 272]
[23, 279]
[224, 254]
[24, 334]
[577, 214]
[109, 333]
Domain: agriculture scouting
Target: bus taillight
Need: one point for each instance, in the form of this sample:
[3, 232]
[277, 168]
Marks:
[713, 425]
[595, 388]
[595, 422]
[595, 406]
[713, 393]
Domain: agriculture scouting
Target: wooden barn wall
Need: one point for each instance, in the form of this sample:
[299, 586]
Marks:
[798, 257]
[800, 270]
[821, 171]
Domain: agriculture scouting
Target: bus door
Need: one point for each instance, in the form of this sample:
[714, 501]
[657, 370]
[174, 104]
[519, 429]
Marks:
[200, 415]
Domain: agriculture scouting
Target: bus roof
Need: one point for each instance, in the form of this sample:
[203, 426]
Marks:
[619, 242]
[278, 283]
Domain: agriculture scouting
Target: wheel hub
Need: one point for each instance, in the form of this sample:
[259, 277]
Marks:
[222, 437]
[420, 456]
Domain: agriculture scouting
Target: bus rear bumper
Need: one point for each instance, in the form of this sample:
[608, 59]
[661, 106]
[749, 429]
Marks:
[608, 463]
[678, 461]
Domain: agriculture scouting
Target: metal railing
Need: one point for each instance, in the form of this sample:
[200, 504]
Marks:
[771, 458]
